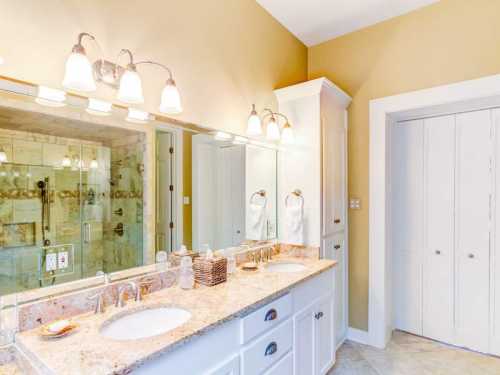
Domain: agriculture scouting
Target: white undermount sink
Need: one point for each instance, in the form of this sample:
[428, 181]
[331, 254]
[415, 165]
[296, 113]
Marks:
[145, 323]
[285, 267]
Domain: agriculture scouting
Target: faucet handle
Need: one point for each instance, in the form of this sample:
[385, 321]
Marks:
[144, 282]
[99, 305]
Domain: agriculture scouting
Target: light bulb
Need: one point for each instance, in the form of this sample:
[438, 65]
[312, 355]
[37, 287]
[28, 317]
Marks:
[137, 116]
[130, 90]
[94, 164]
[273, 130]
[78, 74]
[254, 126]
[50, 97]
[99, 107]
[3, 156]
[66, 162]
[170, 99]
[287, 135]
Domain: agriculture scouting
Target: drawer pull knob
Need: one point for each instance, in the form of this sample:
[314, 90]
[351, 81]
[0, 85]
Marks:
[438, 252]
[271, 348]
[471, 256]
[271, 315]
[336, 221]
[336, 247]
[319, 315]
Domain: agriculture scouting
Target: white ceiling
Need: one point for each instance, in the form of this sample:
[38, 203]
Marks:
[316, 21]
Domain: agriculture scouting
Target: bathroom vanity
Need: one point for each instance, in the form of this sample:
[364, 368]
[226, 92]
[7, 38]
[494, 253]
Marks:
[276, 320]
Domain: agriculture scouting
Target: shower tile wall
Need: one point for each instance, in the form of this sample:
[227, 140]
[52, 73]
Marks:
[32, 157]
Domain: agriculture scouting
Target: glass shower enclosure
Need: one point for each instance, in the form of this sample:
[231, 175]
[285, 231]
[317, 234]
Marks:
[69, 208]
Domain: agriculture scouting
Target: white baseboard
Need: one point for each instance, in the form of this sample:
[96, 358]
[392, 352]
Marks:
[357, 335]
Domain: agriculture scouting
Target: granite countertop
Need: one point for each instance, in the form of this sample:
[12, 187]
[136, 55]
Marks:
[87, 352]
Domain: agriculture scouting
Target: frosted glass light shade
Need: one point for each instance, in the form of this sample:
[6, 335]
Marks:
[254, 125]
[78, 75]
[66, 162]
[94, 164]
[170, 99]
[1, 60]
[273, 130]
[130, 90]
[287, 135]
[3, 156]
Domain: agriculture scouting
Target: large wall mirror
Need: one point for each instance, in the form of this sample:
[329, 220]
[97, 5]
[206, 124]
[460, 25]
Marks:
[213, 191]
[84, 195]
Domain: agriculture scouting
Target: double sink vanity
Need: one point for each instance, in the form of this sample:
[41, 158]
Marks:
[269, 321]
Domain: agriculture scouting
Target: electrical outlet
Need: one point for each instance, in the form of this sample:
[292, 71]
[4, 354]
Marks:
[51, 262]
[62, 260]
[355, 204]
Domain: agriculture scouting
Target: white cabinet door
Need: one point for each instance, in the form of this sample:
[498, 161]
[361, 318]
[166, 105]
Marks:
[473, 188]
[325, 338]
[407, 223]
[304, 342]
[334, 249]
[438, 272]
[230, 367]
[495, 295]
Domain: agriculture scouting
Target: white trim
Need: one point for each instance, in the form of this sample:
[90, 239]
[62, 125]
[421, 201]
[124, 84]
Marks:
[310, 88]
[382, 112]
[357, 335]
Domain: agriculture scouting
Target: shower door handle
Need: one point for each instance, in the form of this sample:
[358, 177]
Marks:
[86, 232]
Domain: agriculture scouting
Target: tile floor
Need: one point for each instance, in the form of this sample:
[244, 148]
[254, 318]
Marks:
[412, 355]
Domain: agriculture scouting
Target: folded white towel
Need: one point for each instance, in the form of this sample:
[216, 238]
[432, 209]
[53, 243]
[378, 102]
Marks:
[294, 224]
[257, 222]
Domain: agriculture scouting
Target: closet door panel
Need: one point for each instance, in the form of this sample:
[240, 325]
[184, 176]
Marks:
[438, 272]
[473, 187]
[407, 223]
[495, 298]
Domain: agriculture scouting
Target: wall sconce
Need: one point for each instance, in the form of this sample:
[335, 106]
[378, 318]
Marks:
[3, 156]
[1, 60]
[66, 162]
[254, 126]
[80, 73]
[94, 164]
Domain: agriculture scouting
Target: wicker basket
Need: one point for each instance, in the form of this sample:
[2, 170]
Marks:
[210, 272]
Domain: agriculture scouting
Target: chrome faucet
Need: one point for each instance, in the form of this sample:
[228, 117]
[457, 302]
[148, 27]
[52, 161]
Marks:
[120, 301]
[100, 308]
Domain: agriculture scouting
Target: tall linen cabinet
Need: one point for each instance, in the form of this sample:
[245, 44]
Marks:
[316, 164]
[445, 228]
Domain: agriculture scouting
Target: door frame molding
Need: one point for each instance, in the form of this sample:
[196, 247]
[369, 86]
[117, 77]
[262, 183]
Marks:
[451, 98]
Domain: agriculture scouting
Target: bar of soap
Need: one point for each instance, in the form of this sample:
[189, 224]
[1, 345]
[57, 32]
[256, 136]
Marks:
[58, 326]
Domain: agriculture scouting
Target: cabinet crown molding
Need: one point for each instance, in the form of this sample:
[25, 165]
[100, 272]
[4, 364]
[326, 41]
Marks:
[311, 88]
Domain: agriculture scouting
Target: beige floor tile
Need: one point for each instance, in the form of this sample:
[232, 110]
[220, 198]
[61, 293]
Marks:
[353, 367]
[349, 352]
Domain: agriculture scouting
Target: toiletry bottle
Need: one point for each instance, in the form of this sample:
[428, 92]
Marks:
[162, 261]
[231, 260]
[186, 275]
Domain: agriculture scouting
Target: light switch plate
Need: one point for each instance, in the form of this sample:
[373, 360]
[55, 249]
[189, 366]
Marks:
[355, 203]
[51, 262]
[186, 200]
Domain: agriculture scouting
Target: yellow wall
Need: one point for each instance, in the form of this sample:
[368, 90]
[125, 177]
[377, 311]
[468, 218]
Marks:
[450, 41]
[225, 54]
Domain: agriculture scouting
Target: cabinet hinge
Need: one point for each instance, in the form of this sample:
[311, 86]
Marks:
[171, 150]
[171, 225]
[171, 187]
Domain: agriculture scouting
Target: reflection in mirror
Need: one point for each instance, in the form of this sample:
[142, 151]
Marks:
[71, 200]
[213, 191]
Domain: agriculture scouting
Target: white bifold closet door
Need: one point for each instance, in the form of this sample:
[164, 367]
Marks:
[439, 186]
[473, 189]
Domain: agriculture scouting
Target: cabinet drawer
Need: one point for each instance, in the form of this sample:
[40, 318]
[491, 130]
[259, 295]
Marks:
[266, 317]
[283, 367]
[268, 349]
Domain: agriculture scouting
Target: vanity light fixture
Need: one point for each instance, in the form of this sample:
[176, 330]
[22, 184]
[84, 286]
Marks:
[98, 107]
[1, 60]
[137, 116]
[3, 156]
[50, 97]
[254, 126]
[80, 74]
[221, 136]
[238, 140]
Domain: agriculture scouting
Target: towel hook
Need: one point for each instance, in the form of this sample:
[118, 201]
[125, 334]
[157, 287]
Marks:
[261, 193]
[298, 194]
